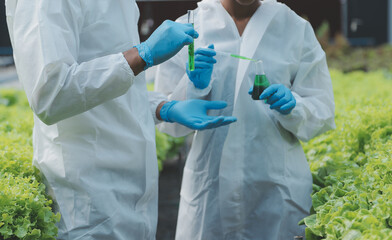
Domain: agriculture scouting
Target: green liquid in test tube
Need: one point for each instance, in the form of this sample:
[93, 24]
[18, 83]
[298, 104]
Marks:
[261, 82]
[191, 47]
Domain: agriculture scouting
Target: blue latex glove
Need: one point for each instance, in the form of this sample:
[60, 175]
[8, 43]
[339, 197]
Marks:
[193, 113]
[165, 42]
[204, 64]
[279, 97]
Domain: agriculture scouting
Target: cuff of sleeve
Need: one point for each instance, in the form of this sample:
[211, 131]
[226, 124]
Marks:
[196, 93]
[125, 65]
[297, 111]
[155, 98]
[165, 111]
[145, 54]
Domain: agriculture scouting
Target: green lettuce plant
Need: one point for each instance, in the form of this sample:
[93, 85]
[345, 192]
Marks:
[352, 165]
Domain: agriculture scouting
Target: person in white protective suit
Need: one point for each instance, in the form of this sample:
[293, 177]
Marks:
[249, 180]
[94, 137]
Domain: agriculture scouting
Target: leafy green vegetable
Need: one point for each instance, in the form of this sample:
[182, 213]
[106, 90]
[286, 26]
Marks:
[351, 166]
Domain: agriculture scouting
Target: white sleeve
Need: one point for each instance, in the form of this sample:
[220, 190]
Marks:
[172, 80]
[312, 89]
[45, 38]
[155, 98]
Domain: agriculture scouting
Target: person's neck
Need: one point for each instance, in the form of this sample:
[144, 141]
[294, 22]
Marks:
[238, 11]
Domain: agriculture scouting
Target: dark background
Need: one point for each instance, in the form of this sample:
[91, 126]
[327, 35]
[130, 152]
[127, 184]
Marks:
[316, 11]
[364, 23]
[367, 22]
[5, 45]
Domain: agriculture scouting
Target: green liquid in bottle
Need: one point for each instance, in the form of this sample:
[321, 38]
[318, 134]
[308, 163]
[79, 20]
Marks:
[260, 84]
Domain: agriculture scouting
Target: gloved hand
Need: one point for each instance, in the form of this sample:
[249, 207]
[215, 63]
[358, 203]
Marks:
[279, 97]
[165, 42]
[204, 63]
[193, 113]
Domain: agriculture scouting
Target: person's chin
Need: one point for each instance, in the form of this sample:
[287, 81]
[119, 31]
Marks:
[245, 2]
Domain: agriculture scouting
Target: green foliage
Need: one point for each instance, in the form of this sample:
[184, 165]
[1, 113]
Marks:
[342, 56]
[162, 148]
[352, 165]
[167, 147]
[25, 210]
[366, 59]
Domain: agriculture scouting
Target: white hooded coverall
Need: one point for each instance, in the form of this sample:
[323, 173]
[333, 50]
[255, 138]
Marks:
[250, 180]
[98, 151]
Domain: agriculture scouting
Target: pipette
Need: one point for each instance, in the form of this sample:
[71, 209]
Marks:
[236, 56]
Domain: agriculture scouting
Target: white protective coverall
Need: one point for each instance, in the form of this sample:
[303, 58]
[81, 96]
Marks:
[98, 156]
[250, 180]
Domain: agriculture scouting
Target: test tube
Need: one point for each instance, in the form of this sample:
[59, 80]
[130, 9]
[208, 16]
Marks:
[261, 82]
[191, 47]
